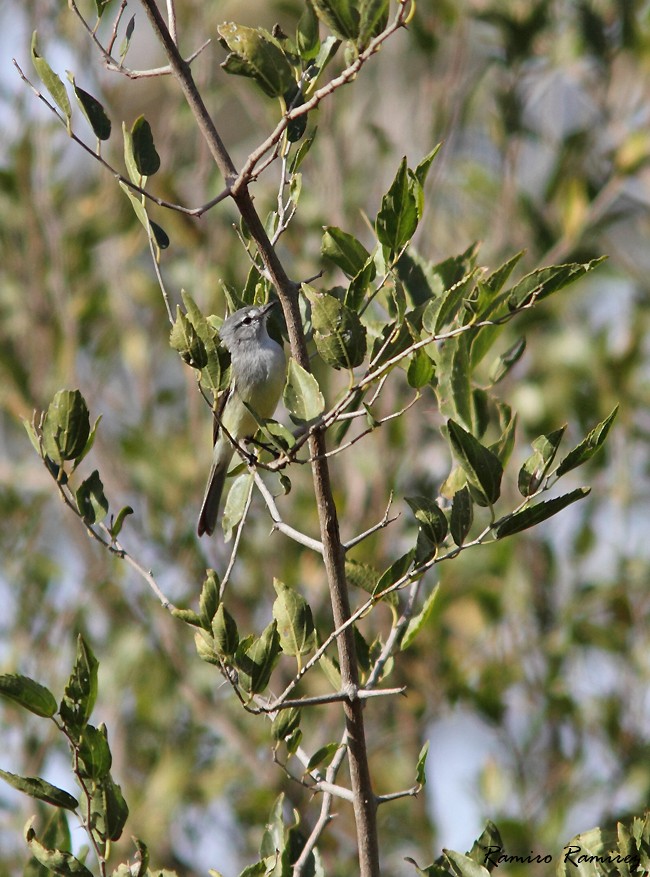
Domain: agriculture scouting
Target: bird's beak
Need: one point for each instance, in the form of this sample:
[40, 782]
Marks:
[267, 307]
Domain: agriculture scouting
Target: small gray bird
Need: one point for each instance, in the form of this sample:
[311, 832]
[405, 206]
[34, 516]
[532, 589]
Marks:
[258, 370]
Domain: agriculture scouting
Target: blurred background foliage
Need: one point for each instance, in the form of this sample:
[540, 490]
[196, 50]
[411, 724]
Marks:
[536, 662]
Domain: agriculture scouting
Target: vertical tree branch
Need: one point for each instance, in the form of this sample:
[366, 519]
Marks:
[333, 554]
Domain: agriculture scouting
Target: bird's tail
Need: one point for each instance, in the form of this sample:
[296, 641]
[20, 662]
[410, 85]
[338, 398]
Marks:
[212, 498]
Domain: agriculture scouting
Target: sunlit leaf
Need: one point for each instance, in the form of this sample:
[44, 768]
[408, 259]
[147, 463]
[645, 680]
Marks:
[481, 466]
[338, 332]
[588, 446]
[341, 16]
[66, 428]
[398, 215]
[51, 81]
[39, 788]
[256, 661]
[29, 694]
[419, 621]
[302, 395]
[344, 250]
[58, 862]
[373, 18]
[538, 464]
[420, 768]
[294, 618]
[224, 632]
[255, 54]
[534, 515]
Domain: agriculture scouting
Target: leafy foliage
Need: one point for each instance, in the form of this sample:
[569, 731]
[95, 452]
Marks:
[412, 345]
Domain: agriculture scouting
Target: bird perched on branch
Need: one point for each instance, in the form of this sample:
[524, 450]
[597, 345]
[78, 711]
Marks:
[258, 370]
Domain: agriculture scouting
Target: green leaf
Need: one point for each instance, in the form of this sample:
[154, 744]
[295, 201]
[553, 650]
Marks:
[66, 428]
[330, 668]
[116, 526]
[445, 308]
[236, 502]
[489, 837]
[129, 161]
[205, 648]
[535, 468]
[59, 862]
[302, 395]
[307, 34]
[81, 691]
[209, 599]
[138, 206]
[395, 571]
[91, 502]
[224, 631]
[430, 517]
[545, 281]
[113, 809]
[257, 660]
[128, 33]
[420, 769]
[462, 515]
[92, 110]
[464, 866]
[502, 365]
[481, 466]
[301, 152]
[373, 18]
[285, 723]
[344, 250]
[51, 81]
[294, 98]
[454, 389]
[398, 215]
[530, 517]
[38, 788]
[147, 160]
[359, 284]
[421, 370]
[101, 6]
[89, 443]
[338, 332]
[422, 170]
[323, 756]
[418, 621]
[328, 49]
[341, 16]
[189, 616]
[211, 374]
[255, 54]
[294, 618]
[185, 339]
[504, 445]
[159, 235]
[29, 694]
[94, 753]
[588, 446]
[596, 842]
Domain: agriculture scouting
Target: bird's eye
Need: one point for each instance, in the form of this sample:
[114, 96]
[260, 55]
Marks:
[247, 321]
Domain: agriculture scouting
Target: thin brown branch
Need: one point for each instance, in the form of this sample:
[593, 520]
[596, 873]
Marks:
[247, 172]
[107, 51]
[188, 211]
